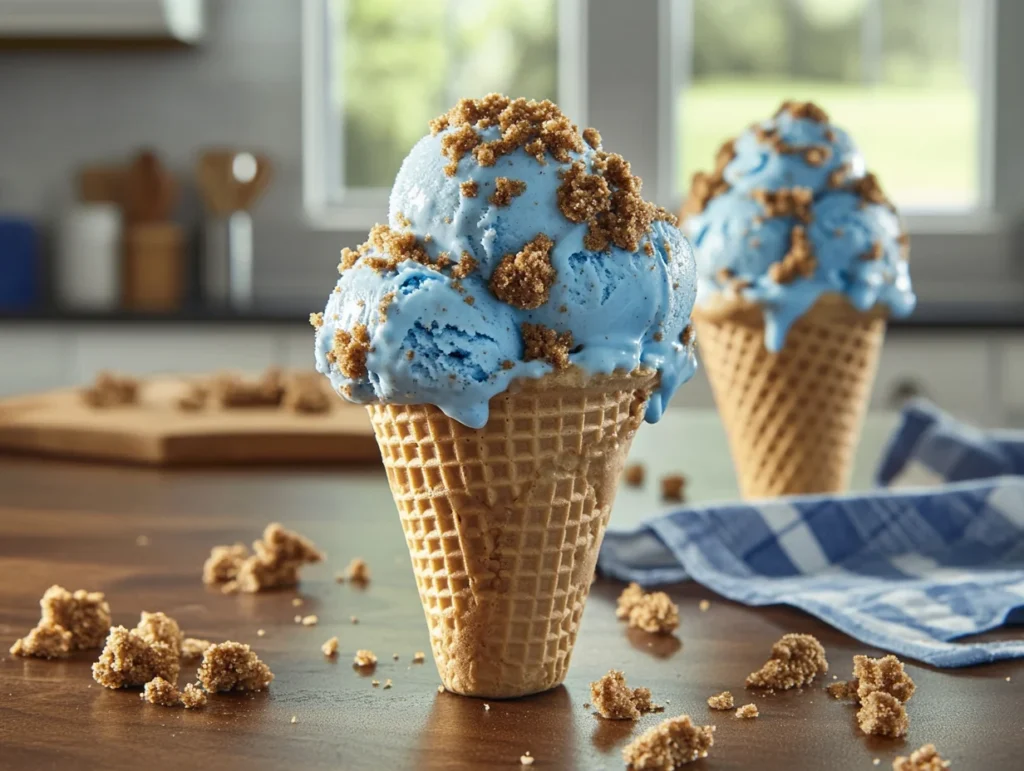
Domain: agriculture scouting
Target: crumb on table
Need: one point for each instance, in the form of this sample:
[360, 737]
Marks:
[615, 700]
[161, 693]
[747, 711]
[130, 660]
[841, 689]
[274, 564]
[330, 648]
[796, 659]
[419, 657]
[159, 627]
[235, 392]
[358, 571]
[46, 641]
[111, 390]
[673, 488]
[193, 697]
[704, 606]
[882, 714]
[192, 649]
[85, 614]
[634, 474]
[233, 666]
[223, 563]
[310, 620]
[365, 658]
[655, 613]
[387, 684]
[629, 599]
[526, 759]
[926, 758]
[673, 742]
[885, 674]
[722, 700]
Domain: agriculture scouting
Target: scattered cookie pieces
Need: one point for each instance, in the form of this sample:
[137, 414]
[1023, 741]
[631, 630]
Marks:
[161, 628]
[223, 563]
[673, 488]
[193, 697]
[161, 693]
[358, 572]
[192, 649]
[843, 690]
[796, 659]
[630, 598]
[673, 742]
[365, 659]
[885, 674]
[634, 474]
[310, 620]
[233, 666]
[419, 657]
[111, 390]
[274, 563]
[330, 648]
[85, 614]
[721, 701]
[652, 612]
[233, 391]
[129, 660]
[747, 711]
[882, 714]
[615, 700]
[45, 641]
[926, 758]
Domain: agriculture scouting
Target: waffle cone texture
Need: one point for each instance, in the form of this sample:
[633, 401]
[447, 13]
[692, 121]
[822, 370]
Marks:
[504, 523]
[793, 418]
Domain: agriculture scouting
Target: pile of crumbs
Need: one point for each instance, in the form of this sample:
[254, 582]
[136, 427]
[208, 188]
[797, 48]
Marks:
[886, 674]
[721, 701]
[882, 714]
[68, 622]
[129, 660]
[652, 612]
[164, 694]
[747, 711]
[111, 390]
[673, 742]
[275, 563]
[796, 659]
[926, 758]
[161, 628]
[505, 190]
[349, 351]
[545, 344]
[233, 666]
[523, 279]
[615, 700]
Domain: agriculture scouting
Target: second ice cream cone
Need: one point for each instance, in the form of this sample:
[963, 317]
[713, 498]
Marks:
[793, 418]
[504, 523]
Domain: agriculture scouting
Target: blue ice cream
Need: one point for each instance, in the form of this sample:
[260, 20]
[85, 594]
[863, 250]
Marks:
[515, 247]
[790, 214]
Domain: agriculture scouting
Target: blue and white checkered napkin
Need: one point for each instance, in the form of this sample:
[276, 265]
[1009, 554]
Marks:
[904, 571]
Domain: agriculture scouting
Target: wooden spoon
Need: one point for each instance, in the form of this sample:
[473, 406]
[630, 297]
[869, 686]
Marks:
[232, 180]
[149, 190]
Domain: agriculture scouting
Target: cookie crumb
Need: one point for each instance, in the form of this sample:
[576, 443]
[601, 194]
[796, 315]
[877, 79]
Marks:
[628, 599]
[129, 660]
[330, 648]
[297, 602]
[358, 571]
[466, 265]
[673, 742]
[885, 674]
[350, 350]
[524, 279]
[111, 390]
[260, 632]
[159, 627]
[235, 392]
[440, 689]
[615, 700]
[882, 714]
[592, 137]
[353, 620]
[223, 563]
[469, 188]
[419, 657]
[487, 707]
[505, 190]
[747, 711]
[142, 540]
[796, 659]
[722, 701]
[295, 719]
[655, 613]
[394, 656]
[365, 658]
[634, 475]
[193, 697]
[707, 185]
[86, 615]
[798, 262]
[46, 641]
[704, 606]
[233, 666]
[673, 488]
[310, 620]
[526, 759]
[786, 202]
[161, 693]
[193, 649]
[277, 559]
[375, 683]
[544, 343]
[842, 690]
[926, 758]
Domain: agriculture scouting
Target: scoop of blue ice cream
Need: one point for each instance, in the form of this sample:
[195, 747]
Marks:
[790, 214]
[514, 248]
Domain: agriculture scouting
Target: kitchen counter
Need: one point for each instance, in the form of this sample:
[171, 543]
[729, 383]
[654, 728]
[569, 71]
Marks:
[77, 525]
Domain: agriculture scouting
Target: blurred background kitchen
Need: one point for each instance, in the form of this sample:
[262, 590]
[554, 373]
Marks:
[177, 176]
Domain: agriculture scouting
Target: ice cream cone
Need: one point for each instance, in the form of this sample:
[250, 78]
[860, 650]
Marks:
[504, 523]
[793, 418]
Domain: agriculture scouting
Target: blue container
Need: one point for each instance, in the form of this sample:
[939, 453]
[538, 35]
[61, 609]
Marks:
[19, 264]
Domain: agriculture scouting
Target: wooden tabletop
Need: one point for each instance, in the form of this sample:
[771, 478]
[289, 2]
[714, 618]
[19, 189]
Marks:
[78, 525]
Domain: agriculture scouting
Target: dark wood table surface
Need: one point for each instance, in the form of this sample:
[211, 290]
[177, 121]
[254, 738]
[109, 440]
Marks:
[77, 525]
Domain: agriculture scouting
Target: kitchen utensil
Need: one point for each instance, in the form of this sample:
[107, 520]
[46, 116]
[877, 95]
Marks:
[88, 256]
[149, 191]
[154, 277]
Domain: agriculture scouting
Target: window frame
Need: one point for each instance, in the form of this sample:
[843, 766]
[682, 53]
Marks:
[327, 202]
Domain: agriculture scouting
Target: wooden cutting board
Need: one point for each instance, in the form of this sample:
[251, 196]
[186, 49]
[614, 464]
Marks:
[155, 432]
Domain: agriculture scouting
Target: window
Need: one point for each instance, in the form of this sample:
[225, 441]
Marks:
[902, 76]
[386, 67]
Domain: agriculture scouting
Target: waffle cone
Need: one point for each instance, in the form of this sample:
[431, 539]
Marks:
[504, 523]
[793, 418]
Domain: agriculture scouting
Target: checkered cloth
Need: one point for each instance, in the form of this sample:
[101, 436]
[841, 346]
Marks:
[904, 571]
